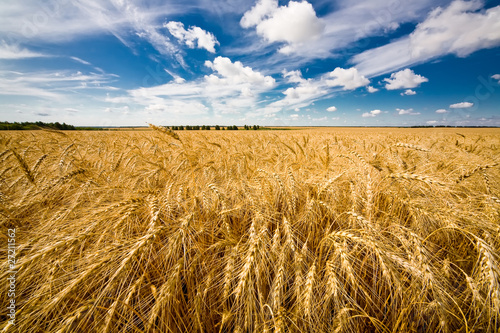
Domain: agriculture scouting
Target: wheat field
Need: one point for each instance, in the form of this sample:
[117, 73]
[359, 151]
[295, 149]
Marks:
[318, 230]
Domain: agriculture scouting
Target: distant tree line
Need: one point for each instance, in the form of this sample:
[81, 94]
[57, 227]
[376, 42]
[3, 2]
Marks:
[15, 126]
[207, 128]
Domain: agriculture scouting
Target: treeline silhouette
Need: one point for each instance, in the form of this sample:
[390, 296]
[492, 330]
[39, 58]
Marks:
[15, 126]
[207, 127]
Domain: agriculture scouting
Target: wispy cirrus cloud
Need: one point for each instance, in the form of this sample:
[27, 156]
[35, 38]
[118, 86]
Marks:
[460, 29]
[53, 86]
[81, 61]
[12, 51]
[125, 19]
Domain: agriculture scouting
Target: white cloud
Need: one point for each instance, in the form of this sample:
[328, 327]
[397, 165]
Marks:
[15, 52]
[404, 79]
[349, 79]
[496, 77]
[372, 113]
[232, 88]
[348, 21]
[177, 78]
[81, 61]
[332, 109]
[51, 85]
[407, 112]
[204, 40]
[320, 119]
[303, 91]
[303, 94]
[372, 90]
[294, 24]
[458, 29]
[462, 105]
[432, 122]
[408, 92]
[293, 76]
[306, 91]
[63, 21]
[236, 73]
[441, 111]
[120, 16]
[177, 107]
[263, 9]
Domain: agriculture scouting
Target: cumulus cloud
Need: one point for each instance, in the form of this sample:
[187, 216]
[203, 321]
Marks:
[293, 76]
[332, 109]
[294, 24]
[441, 111]
[371, 89]
[372, 113]
[407, 112]
[304, 91]
[262, 10]
[404, 79]
[232, 88]
[349, 79]
[496, 77]
[459, 29]
[462, 105]
[408, 92]
[204, 40]
[236, 73]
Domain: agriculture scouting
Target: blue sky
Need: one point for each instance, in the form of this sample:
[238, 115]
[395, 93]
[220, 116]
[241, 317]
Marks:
[267, 62]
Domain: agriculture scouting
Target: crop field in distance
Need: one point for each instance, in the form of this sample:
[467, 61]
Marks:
[314, 230]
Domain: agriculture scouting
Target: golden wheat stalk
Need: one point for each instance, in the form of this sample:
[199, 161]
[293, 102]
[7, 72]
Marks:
[411, 146]
[410, 176]
[473, 171]
[24, 166]
[166, 131]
